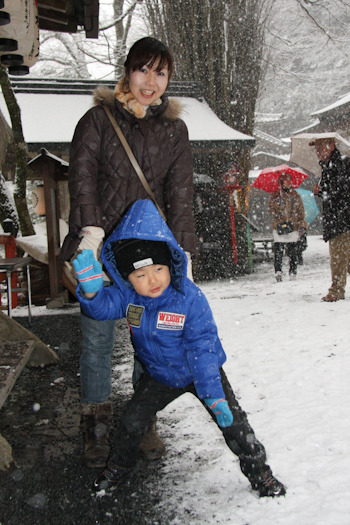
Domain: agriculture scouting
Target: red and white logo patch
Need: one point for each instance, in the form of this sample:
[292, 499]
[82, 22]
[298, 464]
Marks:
[170, 321]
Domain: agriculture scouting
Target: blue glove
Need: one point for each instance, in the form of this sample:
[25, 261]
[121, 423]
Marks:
[302, 231]
[88, 272]
[220, 409]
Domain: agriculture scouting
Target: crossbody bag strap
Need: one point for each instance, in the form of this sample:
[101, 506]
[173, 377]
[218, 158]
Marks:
[133, 160]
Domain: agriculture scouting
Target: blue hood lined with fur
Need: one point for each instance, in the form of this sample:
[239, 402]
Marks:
[143, 222]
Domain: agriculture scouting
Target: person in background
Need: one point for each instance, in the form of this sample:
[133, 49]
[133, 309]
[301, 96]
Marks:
[287, 210]
[103, 185]
[334, 188]
[175, 339]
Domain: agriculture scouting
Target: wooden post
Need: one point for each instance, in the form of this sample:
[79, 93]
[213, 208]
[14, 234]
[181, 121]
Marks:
[50, 169]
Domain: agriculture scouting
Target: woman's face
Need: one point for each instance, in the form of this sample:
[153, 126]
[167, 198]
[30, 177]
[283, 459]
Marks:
[147, 85]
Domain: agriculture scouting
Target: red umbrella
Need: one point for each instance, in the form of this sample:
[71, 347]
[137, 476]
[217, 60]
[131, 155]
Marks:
[268, 180]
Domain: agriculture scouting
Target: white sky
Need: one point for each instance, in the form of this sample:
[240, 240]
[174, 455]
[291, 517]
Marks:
[288, 363]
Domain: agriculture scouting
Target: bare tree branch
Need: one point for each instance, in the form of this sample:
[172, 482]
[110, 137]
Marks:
[121, 17]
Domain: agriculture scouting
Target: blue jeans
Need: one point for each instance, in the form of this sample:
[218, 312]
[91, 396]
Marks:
[95, 360]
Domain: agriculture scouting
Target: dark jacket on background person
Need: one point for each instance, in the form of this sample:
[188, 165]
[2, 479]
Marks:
[174, 335]
[287, 206]
[103, 183]
[335, 191]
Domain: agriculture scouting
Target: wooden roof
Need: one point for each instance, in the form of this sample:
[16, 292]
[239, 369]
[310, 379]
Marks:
[67, 16]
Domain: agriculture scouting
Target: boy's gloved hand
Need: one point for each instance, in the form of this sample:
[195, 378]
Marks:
[220, 409]
[88, 272]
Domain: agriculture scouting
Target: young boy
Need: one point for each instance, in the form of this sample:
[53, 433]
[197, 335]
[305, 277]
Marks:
[175, 339]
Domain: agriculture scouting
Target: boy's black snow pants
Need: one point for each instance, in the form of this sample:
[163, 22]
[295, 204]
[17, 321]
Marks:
[150, 396]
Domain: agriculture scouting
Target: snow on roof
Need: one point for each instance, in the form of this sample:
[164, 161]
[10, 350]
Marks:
[268, 138]
[261, 118]
[253, 174]
[52, 118]
[203, 124]
[307, 128]
[340, 102]
[272, 155]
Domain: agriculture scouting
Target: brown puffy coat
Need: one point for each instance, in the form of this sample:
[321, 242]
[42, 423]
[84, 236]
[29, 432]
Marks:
[102, 182]
[287, 206]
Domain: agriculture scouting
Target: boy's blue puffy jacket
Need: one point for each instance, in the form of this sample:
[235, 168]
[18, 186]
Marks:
[174, 335]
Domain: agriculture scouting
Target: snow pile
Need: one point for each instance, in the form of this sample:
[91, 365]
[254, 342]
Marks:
[288, 362]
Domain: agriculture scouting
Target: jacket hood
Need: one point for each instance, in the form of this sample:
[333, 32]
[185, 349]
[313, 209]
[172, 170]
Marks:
[171, 108]
[143, 222]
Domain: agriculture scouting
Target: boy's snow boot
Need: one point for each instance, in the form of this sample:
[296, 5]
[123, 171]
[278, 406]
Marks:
[151, 446]
[95, 422]
[268, 486]
[260, 476]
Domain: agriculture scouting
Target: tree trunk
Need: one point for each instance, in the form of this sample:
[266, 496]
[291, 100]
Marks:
[20, 154]
[220, 44]
[7, 210]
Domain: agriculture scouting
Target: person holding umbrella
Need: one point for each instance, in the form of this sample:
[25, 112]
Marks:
[334, 188]
[288, 224]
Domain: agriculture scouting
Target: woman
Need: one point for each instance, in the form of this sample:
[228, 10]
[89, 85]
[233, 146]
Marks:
[287, 211]
[103, 185]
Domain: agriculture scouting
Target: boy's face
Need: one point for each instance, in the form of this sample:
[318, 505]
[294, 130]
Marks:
[151, 281]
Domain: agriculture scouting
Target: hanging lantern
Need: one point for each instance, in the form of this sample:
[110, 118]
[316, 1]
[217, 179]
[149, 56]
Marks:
[38, 200]
[31, 56]
[4, 18]
[19, 40]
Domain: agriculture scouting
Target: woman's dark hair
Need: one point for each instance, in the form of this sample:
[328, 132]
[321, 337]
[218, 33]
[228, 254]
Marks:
[147, 52]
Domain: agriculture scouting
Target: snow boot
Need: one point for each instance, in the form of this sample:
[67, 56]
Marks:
[260, 476]
[268, 486]
[332, 298]
[151, 446]
[95, 422]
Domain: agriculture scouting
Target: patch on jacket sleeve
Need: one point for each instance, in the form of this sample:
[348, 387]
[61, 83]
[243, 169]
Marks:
[134, 315]
[170, 321]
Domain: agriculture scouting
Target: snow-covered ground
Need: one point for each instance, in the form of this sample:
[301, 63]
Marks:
[288, 363]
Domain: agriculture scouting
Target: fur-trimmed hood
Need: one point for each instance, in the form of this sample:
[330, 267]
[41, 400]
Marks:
[104, 96]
